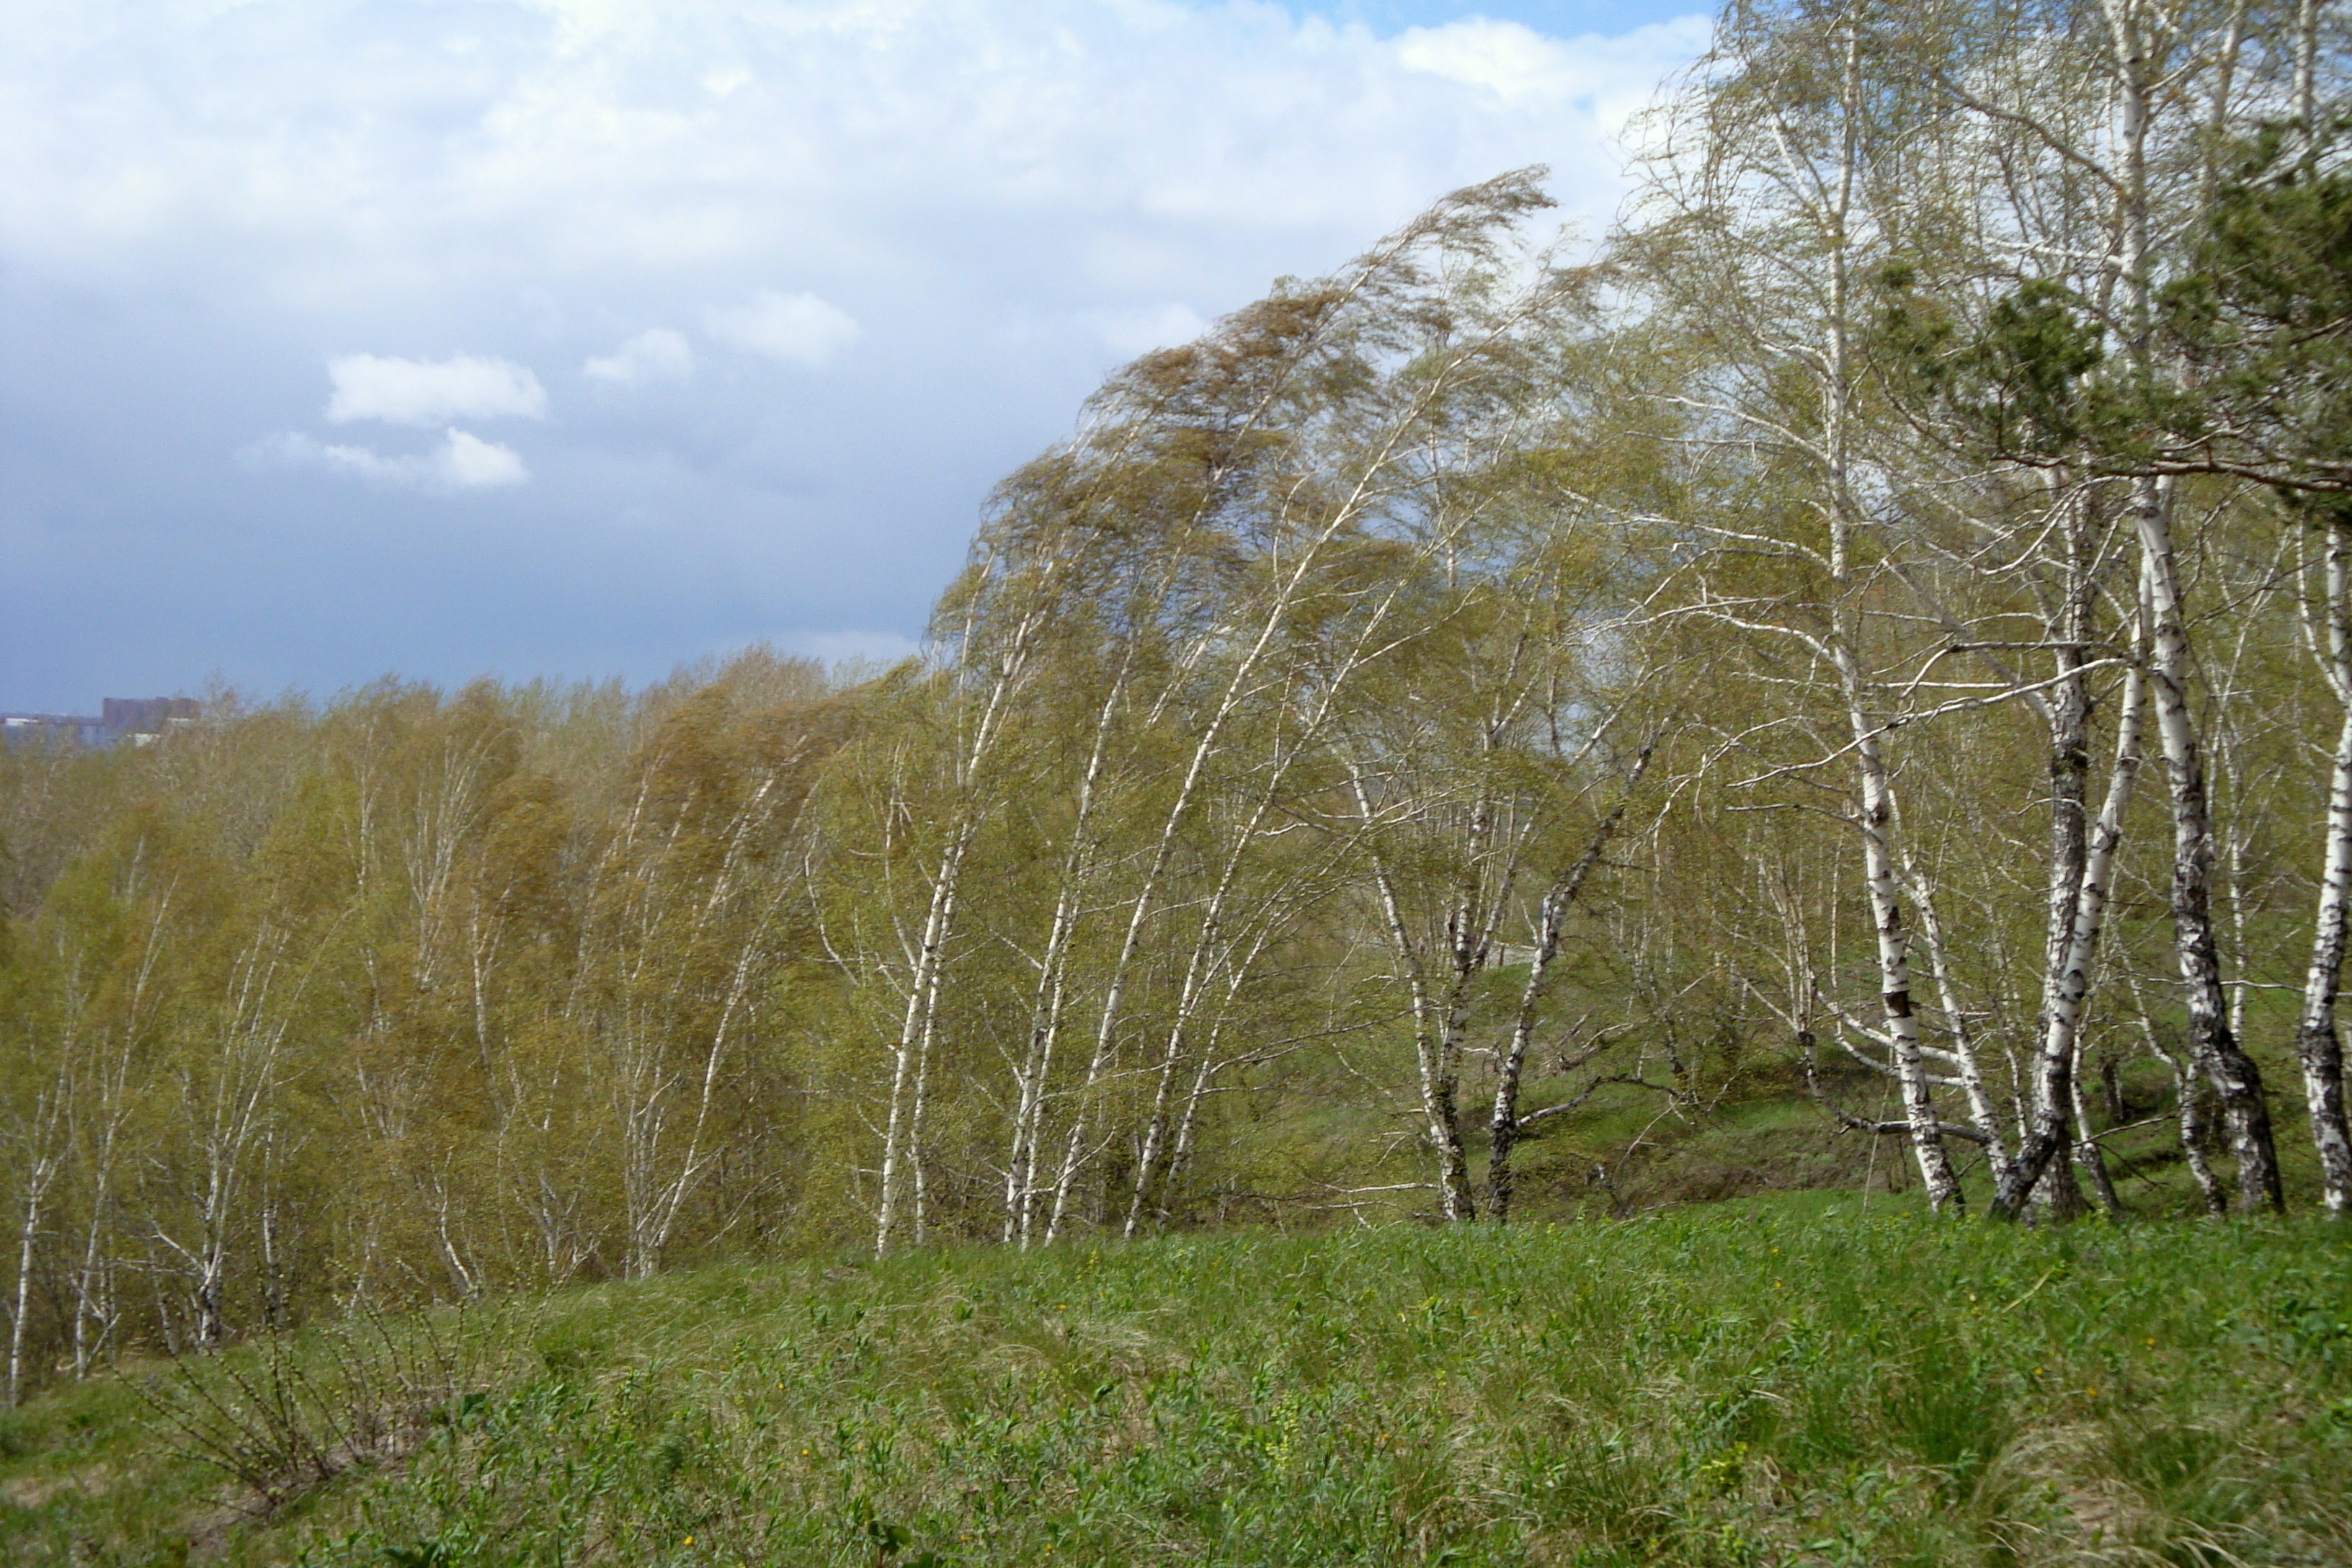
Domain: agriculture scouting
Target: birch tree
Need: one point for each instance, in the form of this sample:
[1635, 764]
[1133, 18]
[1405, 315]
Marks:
[1761, 220]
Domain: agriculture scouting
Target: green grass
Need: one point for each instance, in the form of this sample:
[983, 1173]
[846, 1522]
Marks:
[1766, 1382]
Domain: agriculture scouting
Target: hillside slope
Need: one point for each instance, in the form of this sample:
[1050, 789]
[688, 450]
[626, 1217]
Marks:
[1790, 1381]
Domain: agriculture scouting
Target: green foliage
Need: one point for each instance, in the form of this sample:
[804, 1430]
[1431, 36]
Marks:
[2023, 384]
[408, 995]
[2265, 315]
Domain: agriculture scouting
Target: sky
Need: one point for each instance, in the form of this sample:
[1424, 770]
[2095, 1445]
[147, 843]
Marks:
[586, 338]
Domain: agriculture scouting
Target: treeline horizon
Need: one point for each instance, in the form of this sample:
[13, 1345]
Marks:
[1878, 630]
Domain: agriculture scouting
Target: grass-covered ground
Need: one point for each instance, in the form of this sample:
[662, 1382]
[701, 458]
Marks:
[1790, 1381]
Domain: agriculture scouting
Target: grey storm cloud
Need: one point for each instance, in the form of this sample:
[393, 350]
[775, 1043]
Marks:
[585, 336]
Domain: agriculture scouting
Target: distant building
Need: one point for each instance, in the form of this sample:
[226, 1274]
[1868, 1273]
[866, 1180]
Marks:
[144, 718]
[138, 719]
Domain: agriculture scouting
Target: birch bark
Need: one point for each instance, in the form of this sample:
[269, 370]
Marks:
[1874, 784]
[1505, 1126]
[2317, 1043]
[2234, 1075]
[1008, 671]
[2053, 1096]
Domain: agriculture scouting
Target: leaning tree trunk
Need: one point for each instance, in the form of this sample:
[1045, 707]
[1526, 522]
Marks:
[2087, 1158]
[1441, 1117]
[2062, 1017]
[1071, 894]
[2190, 1120]
[1551, 920]
[911, 1055]
[1874, 783]
[2215, 1048]
[2212, 1043]
[2065, 976]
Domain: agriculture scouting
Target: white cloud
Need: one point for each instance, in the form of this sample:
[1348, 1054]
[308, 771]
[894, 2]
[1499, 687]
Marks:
[1526, 71]
[796, 328]
[430, 392]
[657, 354]
[468, 462]
[1515, 63]
[463, 461]
[362, 155]
[1132, 332]
[1006, 196]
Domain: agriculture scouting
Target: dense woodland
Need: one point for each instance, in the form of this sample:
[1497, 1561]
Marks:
[1874, 631]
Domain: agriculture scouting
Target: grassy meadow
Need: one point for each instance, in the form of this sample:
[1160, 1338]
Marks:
[1791, 1380]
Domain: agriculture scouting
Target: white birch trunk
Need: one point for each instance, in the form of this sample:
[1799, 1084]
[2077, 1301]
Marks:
[1440, 1125]
[2233, 1073]
[1505, 1126]
[1035, 1075]
[2317, 1043]
[1966, 1067]
[2185, 1083]
[40, 1173]
[910, 1056]
[2062, 1018]
[1241, 685]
